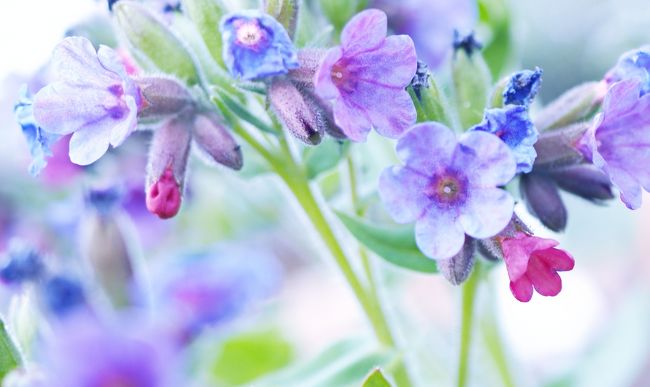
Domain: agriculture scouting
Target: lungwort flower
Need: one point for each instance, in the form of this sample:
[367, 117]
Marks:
[618, 142]
[512, 125]
[92, 97]
[255, 45]
[522, 87]
[533, 262]
[632, 64]
[449, 187]
[365, 77]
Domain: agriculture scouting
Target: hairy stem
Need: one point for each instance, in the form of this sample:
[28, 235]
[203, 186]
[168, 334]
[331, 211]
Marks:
[467, 324]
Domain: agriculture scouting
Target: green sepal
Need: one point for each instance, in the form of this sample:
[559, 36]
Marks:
[432, 104]
[472, 86]
[9, 355]
[284, 11]
[376, 379]
[206, 16]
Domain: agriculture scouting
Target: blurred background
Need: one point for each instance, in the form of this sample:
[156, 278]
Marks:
[595, 333]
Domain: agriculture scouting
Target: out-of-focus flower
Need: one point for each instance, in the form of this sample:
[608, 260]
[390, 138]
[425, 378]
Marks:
[513, 126]
[366, 76]
[210, 288]
[533, 262]
[449, 187]
[23, 264]
[632, 64]
[522, 87]
[466, 42]
[39, 140]
[431, 24]
[255, 45]
[62, 295]
[618, 141]
[92, 97]
[88, 352]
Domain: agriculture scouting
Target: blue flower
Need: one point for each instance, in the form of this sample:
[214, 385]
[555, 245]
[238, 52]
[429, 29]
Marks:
[513, 126]
[62, 295]
[256, 46]
[24, 264]
[39, 141]
[522, 87]
[632, 64]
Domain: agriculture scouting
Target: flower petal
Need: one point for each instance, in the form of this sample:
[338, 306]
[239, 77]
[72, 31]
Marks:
[487, 160]
[394, 114]
[545, 280]
[75, 61]
[127, 125]
[438, 235]
[427, 147]
[392, 64]
[87, 145]
[486, 212]
[352, 120]
[522, 289]
[364, 31]
[401, 189]
[556, 259]
[323, 84]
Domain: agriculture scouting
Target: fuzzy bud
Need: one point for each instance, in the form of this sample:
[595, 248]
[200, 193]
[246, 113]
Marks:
[296, 111]
[168, 156]
[543, 200]
[457, 268]
[558, 148]
[585, 181]
[572, 106]
[214, 141]
[309, 60]
[162, 97]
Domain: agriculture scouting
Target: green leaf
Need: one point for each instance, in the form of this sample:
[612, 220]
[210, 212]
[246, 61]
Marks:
[376, 379]
[206, 15]
[395, 244]
[248, 356]
[472, 85]
[498, 50]
[242, 112]
[284, 11]
[153, 43]
[9, 356]
[322, 158]
[338, 12]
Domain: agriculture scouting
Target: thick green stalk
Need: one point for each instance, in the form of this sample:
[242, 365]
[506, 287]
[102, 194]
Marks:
[467, 324]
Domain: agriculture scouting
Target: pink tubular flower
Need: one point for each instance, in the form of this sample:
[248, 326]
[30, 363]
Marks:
[365, 77]
[534, 262]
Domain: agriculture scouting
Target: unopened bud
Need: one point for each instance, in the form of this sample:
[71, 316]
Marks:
[309, 60]
[472, 80]
[585, 181]
[543, 200]
[295, 111]
[572, 106]
[215, 142]
[168, 156]
[457, 268]
[162, 97]
[558, 148]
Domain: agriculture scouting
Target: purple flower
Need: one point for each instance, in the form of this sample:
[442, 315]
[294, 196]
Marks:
[431, 24]
[618, 141]
[512, 126]
[24, 264]
[449, 187]
[39, 141]
[92, 97]
[62, 295]
[255, 45]
[522, 87]
[632, 64]
[366, 76]
[86, 352]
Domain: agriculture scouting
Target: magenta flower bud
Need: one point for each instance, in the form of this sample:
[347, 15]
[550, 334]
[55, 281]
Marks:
[168, 156]
[457, 268]
[215, 142]
[162, 97]
[543, 200]
[296, 111]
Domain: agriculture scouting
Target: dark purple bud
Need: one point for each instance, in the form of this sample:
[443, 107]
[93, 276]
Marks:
[309, 59]
[557, 148]
[104, 200]
[420, 79]
[296, 111]
[215, 142]
[24, 264]
[162, 97]
[457, 268]
[168, 156]
[62, 295]
[585, 181]
[543, 200]
[467, 43]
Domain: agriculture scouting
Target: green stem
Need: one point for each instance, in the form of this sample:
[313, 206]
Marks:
[493, 343]
[467, 323]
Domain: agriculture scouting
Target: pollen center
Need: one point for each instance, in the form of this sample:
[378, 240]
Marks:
[249, 34]
[447, 188]
[341, 77]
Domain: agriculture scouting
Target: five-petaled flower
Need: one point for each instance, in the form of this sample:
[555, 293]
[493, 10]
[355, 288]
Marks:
[513, 126]
[92, 97]
[255, 45]
[618, 141]
[365, 77]
[533, 262]
[449, 187]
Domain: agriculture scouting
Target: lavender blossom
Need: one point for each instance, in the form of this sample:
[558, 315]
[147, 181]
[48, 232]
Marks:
[449, 187]
[255, 45]
[366, 76]
[512, 126]
[632, 64]
[92, 97]
[618, 141]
